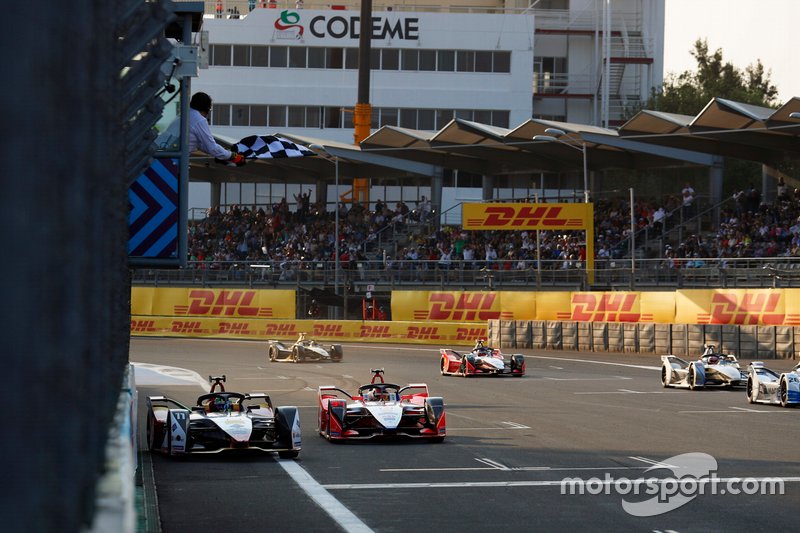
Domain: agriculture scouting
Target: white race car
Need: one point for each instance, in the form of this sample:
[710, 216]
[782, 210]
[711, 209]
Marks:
[767, 386]
[712, 369]
[303, 349]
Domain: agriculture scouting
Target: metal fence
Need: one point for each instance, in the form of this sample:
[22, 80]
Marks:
[623, 274]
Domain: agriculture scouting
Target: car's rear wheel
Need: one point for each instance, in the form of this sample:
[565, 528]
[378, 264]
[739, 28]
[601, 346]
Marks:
[273, 353]
[693, 378]
[288, 454]
[664, 377]
[296, 354]
[443, 365]
[151, 431]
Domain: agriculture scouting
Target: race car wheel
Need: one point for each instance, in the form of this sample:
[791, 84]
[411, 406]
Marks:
[693, 378]
[336, 353]
[151, 430]
[443, 365]
[784, 392]
[273, 353]
[751, 393]
[664, 377]
[295, 355]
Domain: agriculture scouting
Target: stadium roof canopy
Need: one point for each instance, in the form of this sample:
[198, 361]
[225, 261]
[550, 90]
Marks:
[650, 139]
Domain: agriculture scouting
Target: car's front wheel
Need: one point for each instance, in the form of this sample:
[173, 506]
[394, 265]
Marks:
[784, 392]
[751, 393]
[273, 353]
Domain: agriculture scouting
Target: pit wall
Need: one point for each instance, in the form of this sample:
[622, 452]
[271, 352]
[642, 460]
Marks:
[685, 340]
[319, 330]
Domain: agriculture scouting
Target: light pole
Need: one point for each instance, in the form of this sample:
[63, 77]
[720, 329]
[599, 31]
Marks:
[553, 135]
[320, 148]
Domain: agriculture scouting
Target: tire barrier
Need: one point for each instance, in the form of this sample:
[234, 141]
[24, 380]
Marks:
[683, 340]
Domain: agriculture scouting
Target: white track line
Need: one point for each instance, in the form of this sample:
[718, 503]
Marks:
[341, 514]
[548, 483]
[643, 367]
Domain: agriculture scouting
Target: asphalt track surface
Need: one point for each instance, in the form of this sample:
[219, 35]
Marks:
[510, 442]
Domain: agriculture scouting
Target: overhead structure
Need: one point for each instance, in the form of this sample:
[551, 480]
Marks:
[650, 139]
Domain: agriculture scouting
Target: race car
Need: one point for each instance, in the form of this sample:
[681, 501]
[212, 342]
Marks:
[712, 369]
[222, 421]
[482, 360]
[767, 386]
[380, 410]
[721, 368]
[303, 350]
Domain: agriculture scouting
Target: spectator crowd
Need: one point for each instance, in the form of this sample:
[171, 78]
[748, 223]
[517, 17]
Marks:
[292, 238]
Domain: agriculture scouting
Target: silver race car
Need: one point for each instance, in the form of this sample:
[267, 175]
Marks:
[767, 386]
[304, 350]
[222, 421]
[712, 369]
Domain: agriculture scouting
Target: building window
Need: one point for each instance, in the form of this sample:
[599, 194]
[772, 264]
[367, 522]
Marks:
[241, 56]
[443, 117]
[221, 115]
[427, 60]
[316, 58]
[297, 116]
[240, 115]
[549, 75]
[351, 58]
[258, 115]
[388, 116]
[313, 117]
[278, 56]
[501, 62]
[483, 61]
[465, 61]
[259, 56]
[447, 60]
[408, 118]
[333, 117]
[334, 58]
[221, 55]
[409, 59]
[390, 59]
[426, 119]
[297, 57]
[277, 116]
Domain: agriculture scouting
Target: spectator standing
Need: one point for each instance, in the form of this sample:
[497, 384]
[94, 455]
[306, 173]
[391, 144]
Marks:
[687, 199]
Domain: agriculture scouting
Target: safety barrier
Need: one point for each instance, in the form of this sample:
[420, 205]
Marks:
[687, 340]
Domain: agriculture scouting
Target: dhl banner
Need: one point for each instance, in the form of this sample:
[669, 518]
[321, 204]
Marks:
[319, 330]
[530, 305]
[530, 216]
[761, 307]
[211, 303]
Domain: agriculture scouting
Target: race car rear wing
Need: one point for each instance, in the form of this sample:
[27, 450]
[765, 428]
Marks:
[165, 402]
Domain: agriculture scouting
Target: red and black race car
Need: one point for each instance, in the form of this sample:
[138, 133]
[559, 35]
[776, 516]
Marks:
[381, 409]
[481, 361]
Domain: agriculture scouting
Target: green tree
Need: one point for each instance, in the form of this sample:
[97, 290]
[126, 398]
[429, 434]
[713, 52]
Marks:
[688, 93]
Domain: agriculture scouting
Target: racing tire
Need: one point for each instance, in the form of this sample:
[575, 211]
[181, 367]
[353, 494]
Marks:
[784, 393]
[336, 353]
[751, 393]
[437, 440]
[151, 430]
[273, 354]
[295, 355]
[664, 377]
[693, 378]
[443, 365]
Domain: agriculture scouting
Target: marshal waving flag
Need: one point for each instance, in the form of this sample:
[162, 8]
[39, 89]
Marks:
[270, 147]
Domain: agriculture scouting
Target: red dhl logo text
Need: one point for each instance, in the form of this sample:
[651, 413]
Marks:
[328, 330]
[423, 333]
[727, 308]
[224, 303]
[524, 217]
[288, 330]
[143, 326]
[470, 334]
[375, 332]
[470, 307]
[234, 327]
[180, 326]
[606, 308]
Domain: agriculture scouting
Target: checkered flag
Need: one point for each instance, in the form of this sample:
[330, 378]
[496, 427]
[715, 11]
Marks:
[270, 147]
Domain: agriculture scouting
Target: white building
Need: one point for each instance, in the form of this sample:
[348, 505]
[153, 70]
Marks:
[294, 70]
